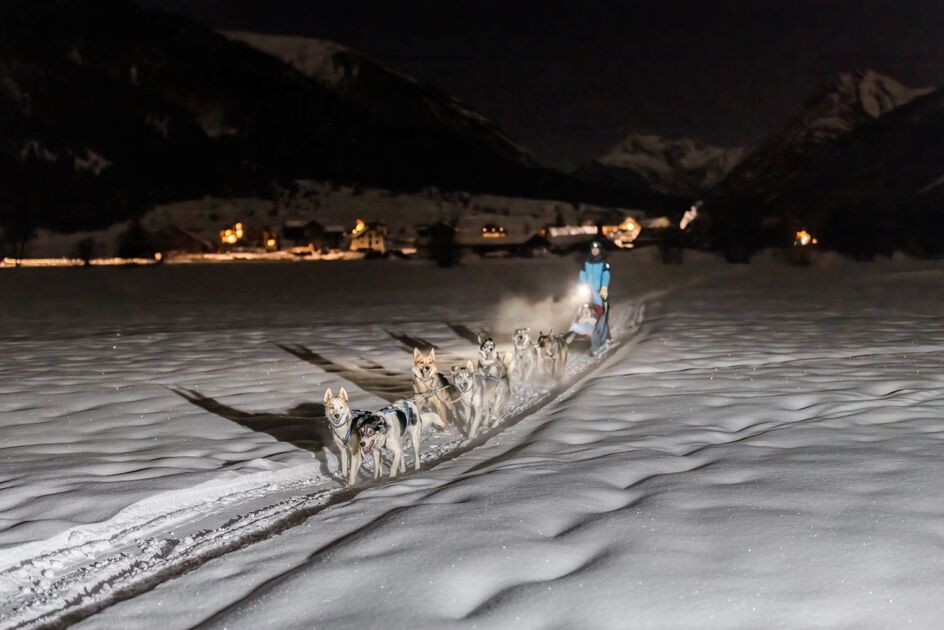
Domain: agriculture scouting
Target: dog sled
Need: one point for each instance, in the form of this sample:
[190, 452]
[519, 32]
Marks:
[590, 322]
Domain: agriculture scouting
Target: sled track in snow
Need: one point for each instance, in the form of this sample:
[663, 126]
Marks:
[117, 567]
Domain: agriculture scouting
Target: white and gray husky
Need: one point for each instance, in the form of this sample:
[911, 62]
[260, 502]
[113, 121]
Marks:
[470, 387]
[358, 434]
[525, 359]
[429, 383]
[553, 351]
[495, 383]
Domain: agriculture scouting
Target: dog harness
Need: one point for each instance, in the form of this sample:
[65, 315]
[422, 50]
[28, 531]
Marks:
[403, 412]
[356, 418]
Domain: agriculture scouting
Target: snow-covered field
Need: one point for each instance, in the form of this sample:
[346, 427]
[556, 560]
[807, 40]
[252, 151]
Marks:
[763, 452]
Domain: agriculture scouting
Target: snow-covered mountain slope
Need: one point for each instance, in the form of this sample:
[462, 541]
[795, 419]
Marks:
[107, 109]
[682, 167]
[851, 101]
[391, 94]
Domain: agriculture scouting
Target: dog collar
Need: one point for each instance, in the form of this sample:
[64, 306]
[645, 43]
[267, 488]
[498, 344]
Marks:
[355, 417]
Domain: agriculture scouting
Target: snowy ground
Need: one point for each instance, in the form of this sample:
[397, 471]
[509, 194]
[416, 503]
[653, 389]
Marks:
[764, 451]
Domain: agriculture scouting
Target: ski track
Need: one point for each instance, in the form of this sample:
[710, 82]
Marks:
[68, 584]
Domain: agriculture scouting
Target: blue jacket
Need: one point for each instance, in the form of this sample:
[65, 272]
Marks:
[597, 275]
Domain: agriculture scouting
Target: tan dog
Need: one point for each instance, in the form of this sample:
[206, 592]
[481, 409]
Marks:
[343, 431]
[430, 385]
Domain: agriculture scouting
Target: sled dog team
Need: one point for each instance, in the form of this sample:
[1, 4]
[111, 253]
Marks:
[477, 395]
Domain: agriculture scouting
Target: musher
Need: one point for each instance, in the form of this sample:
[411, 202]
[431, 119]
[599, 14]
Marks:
[595, 274]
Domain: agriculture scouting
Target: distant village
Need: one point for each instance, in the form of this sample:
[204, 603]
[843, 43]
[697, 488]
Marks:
[326, 226]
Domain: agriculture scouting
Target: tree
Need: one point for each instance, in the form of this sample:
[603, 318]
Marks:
[136, 242]
[85, 250]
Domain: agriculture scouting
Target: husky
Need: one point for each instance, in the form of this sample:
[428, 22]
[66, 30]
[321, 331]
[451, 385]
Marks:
[343, 428]
[429, 383]
[553, 350]
[496, 386]
[525, 359]
[348, 430]
[471, 390]
[389, 428]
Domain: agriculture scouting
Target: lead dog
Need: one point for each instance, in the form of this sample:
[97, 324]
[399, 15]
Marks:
[429, 383]
[553, 352]
[360, 433]
[470, 387]
[525, 358]
[495, 383]
[342, 421]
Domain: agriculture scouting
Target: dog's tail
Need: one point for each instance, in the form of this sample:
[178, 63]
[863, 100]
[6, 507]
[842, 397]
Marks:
[431, 419]
[569, 337]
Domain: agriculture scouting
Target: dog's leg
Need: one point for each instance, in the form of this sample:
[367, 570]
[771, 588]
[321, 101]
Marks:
[440, 407]
[355, 467]
[450, 407]
[397, 463]
[416, 447]
[377, 462]
[502, 396]
[343, 453]
[466, 416]
[476, 421]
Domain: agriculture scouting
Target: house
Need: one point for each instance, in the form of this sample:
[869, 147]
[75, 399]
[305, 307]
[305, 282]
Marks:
[368, 237]
[312, 234]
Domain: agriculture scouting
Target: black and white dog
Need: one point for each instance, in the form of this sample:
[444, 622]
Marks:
[495, 383]
[553, 351]
[525, 359]
[469, 386]
[361, 433]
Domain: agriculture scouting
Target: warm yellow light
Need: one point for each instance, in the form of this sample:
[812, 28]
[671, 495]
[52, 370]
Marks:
[270, 242]
[804, 238]
[359, 227]
[158, 256]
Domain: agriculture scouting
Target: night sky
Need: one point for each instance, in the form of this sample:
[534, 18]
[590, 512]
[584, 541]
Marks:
[568, 79]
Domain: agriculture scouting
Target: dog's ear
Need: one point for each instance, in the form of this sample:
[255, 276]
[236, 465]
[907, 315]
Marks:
[456, 368]
[432, 354]
[343, 394]
[328, 396]
[482, 338]
[470, 366]
[417, 354]
[528, 330]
